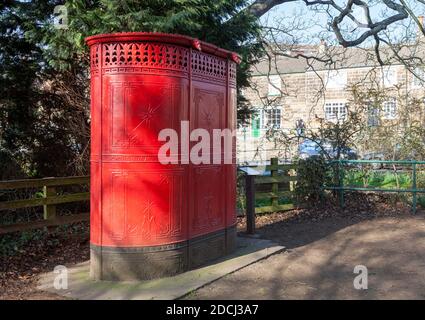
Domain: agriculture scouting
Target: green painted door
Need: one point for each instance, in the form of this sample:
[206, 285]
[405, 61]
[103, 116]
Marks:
[255, 133]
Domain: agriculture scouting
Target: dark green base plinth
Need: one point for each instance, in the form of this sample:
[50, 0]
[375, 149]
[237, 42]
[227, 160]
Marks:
[144, 263]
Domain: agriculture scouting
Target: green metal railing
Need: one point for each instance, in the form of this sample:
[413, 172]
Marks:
[341, 188]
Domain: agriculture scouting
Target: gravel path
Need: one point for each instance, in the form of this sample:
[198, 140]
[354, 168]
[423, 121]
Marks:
[321, 256]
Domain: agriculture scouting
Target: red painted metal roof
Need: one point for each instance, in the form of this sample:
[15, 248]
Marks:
[178, 39]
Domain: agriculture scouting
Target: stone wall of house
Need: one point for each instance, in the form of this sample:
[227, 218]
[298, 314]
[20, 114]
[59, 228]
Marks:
[303, 96]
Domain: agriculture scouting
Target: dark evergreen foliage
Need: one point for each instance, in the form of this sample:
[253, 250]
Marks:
[44, 100]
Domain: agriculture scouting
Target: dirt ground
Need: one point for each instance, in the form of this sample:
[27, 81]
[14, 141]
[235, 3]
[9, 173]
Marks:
[321, 256]
[40, 253]
[323, 245]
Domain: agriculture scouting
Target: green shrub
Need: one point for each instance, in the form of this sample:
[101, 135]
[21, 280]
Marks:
[421, 201]
[240, 191]
[311, 177]
[420, 179]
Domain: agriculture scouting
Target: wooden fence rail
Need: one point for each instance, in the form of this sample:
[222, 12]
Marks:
[49, 200]
[279, 174]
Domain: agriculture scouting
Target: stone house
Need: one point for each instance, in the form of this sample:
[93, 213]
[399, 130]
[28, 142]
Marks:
[289, 91]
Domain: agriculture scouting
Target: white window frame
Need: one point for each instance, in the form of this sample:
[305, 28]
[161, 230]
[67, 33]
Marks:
[274, 85]
[262, 113]
[336, 79]
[389, 77]
[389, 109]
[273, 115]
[335, 111]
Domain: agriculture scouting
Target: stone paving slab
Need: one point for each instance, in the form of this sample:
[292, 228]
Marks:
[80, 286]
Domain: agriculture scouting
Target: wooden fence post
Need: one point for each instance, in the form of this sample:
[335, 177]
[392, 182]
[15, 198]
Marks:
[48, 200]
[250, 203]
[49, 210]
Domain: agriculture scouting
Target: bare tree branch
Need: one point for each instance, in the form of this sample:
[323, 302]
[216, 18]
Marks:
[261, 7]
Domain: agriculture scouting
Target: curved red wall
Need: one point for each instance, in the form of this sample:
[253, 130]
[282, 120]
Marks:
[147, 219]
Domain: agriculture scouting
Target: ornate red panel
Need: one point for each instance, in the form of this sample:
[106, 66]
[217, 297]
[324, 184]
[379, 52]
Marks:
[136, 111]
[208, 209]
[143, 204]
[95, 166]
[231, 168]
[149, 219]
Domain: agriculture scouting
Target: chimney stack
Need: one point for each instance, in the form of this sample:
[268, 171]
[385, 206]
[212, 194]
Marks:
[322, 46]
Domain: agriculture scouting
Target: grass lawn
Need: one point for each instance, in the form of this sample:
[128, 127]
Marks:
[386, 180]
[376, 179]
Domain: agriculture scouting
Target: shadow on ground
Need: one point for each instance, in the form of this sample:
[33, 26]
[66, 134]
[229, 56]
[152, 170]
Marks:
[321, 256]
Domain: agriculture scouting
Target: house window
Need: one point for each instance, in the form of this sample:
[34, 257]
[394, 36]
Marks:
[336, 79]
[418, 77]
[335, 111]
[389, 109]
[275, 85]
[271, 118]
[389, 77]
[265, 119]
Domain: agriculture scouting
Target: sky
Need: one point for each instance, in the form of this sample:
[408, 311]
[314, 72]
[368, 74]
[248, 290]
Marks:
[313, 24]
